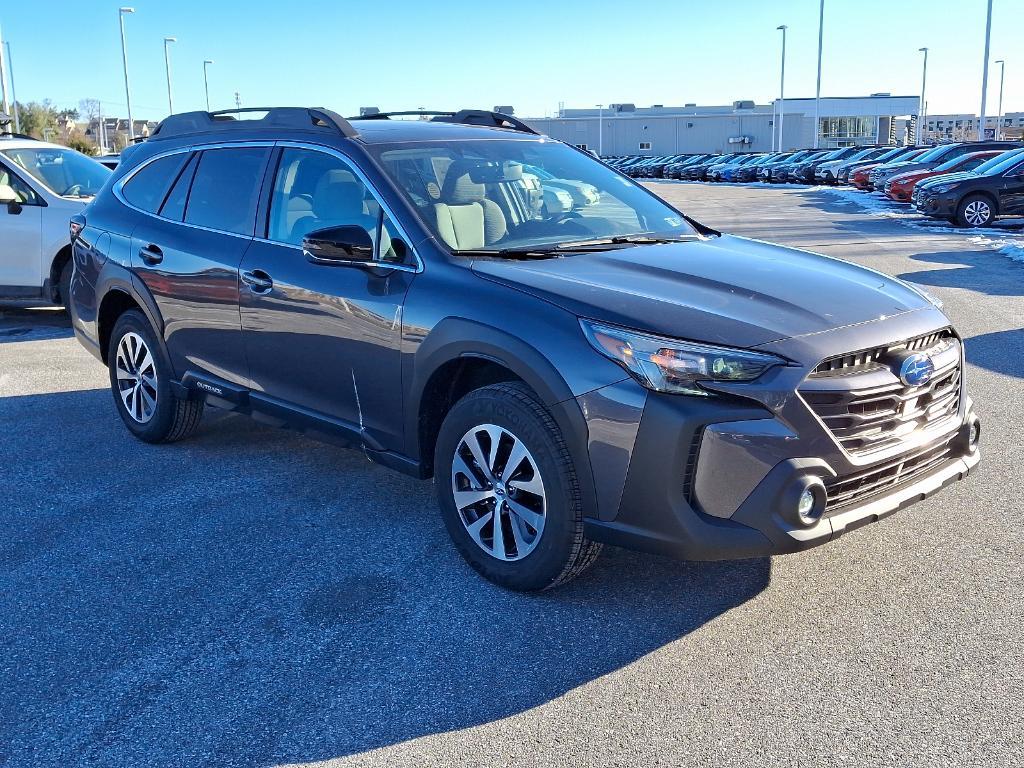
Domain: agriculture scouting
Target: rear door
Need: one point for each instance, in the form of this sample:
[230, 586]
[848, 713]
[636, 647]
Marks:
[20, 237]
[188, 253]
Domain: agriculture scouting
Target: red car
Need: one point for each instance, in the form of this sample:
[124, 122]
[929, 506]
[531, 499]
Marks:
[860, 180]
[901, 187]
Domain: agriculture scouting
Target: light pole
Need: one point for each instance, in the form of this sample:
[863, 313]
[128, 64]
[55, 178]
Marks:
[206, 82]
[14, 96]
[600, 129]
[167, 64]
[124, 57]
[817, 92]
[4, 107]
[920, 107]
[998, 121]
[782, 86]
[984, 73]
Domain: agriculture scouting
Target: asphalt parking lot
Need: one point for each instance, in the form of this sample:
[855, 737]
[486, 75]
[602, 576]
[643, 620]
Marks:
[250, 597]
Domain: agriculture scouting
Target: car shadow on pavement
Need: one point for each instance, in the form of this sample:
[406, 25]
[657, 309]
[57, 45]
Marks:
[998, 351]
[979, 270]
[33, 323]
[251, 597]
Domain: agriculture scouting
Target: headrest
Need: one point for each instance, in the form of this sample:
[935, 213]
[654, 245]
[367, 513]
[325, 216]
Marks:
[458, 188]
[338, 195]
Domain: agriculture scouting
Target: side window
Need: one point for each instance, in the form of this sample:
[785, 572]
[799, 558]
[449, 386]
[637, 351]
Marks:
[225, 189]
[26, 195]
[174, 206]
[313, 190]
[147, 188]
[392, 248]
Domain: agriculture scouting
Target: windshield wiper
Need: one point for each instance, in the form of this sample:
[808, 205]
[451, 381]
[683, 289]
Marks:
[602, 243]
[510, 253]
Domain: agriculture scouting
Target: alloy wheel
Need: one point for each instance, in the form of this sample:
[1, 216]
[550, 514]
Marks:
[977, 213]
[136, 377]
[498, 492]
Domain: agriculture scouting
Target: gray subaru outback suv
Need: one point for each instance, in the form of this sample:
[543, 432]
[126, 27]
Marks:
[572, 360]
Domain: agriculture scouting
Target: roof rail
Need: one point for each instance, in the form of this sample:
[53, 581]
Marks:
[15, 135]
[487, 118]
[463, 116]
[309, 118]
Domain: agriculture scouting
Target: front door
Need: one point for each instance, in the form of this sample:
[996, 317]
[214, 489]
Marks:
[21, 224]
[320, 337]
[1011, 196]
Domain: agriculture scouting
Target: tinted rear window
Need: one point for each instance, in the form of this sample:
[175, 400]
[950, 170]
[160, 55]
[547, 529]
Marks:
[225, 189]
[174, 205]
[146, 189]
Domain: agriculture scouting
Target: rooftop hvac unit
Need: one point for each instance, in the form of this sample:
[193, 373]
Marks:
[746, 104]
[366, 111]
[623, 107]
[507, 110]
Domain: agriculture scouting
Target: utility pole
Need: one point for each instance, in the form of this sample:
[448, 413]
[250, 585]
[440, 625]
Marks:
[984, 73]
[600, 129]
[998, 120]
[782, 86]
[14, 96]
[817, 93]
[206, 82]
[124, 58]
[238, 101]
[3, 78]
[920, 108]
[167, 64]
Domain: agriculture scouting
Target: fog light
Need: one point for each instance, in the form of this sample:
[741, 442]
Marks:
[805, 507]
[974, 434]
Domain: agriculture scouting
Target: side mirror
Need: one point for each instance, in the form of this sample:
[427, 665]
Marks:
[348, 244]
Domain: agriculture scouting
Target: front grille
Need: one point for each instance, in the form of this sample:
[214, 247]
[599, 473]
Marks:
[866, 418]
[883, 478]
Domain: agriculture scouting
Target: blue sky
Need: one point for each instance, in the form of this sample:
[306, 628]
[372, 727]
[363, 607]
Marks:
[400, 54]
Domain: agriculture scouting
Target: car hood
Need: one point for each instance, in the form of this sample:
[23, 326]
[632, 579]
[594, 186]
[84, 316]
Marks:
[723, 290]
[912, 175]
[946, 178]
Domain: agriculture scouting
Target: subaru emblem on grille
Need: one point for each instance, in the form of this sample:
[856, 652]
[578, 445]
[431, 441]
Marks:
[916, 369]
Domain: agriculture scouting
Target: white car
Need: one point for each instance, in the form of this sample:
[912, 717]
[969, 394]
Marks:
[41, 187]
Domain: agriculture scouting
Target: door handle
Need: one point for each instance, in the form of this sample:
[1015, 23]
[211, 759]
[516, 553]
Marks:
[151, 254]
[257, 280]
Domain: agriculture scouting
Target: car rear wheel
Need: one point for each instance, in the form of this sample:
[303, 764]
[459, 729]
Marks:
[140, 379]
[975, 211]
[508, 490]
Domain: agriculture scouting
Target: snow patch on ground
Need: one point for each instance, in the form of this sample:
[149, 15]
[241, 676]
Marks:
[1006, 237]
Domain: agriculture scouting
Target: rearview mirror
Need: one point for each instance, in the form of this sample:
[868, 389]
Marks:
[339, 245]
[496, 173]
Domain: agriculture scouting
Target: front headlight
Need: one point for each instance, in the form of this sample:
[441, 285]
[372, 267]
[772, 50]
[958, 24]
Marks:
[669, 365]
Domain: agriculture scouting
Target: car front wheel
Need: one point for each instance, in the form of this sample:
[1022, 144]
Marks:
[140, 379]
[974, 211]
[508, 490]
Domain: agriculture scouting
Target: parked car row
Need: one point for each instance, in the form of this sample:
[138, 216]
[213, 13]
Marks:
[968, 183]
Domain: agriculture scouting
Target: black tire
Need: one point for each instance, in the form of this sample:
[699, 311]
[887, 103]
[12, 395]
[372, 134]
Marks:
[172, 418]
[64, 286]
[975, 211]
[562, 552]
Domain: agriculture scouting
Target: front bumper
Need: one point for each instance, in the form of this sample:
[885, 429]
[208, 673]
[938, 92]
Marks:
[932, 204]
[718, 478]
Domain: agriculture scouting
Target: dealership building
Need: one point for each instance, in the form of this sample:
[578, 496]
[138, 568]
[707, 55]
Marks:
[625, 129]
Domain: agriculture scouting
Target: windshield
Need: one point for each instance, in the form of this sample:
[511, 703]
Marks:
[63, 171]
[484, 195]
[1000, 163]
[931, 154]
